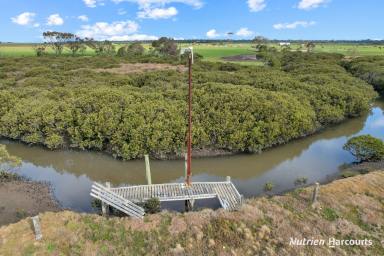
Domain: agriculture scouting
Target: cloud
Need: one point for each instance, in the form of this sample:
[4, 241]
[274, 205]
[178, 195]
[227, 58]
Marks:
[244, 32]
[121, 11]
[157, 13]
[91, 3]
[256, 5]
[212, 33]
[156, 9]
[294, 25]
[157, 3]
[311, 4]
[378, 123]
[108, 31]
[55, 20]
[83, 18]
[134, 37]
[25, 18]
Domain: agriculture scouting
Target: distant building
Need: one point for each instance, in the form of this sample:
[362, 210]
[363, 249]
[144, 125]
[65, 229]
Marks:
[284, 43]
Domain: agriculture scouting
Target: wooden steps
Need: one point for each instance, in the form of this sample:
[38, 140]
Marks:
[111, 198]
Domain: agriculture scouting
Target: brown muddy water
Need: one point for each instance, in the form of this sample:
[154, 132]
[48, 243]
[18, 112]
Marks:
[317, 158]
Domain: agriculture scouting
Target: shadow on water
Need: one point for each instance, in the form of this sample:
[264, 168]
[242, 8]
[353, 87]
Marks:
[316, 158]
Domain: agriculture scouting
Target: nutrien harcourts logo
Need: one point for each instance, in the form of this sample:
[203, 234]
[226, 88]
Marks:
[330, 242]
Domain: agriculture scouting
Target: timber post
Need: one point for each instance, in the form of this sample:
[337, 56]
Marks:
[315, 193]
[37, 228]
[228, 178]
[185, 165]
[189, 204]
[104, 206]
[148, 170]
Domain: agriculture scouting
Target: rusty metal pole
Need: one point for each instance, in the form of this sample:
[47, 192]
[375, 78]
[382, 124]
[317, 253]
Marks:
[189, 139]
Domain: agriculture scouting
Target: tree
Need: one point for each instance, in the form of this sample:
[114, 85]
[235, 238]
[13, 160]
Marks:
[75, 44]
[365, 148]
[100, 47]
[166, 46]
[57, 40]
[6, 159]
[260, 43]
[134, 49]
[285, 48]
[310, 46]
[40, 49]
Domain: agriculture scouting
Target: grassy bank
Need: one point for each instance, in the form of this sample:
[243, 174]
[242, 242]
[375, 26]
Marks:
[347, 209]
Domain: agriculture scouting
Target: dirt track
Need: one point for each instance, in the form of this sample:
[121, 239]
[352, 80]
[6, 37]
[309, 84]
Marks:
[128, 68]
[251, 57]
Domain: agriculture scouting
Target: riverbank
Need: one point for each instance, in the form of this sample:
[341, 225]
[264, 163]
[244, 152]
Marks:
[20, 198]
[347, 210]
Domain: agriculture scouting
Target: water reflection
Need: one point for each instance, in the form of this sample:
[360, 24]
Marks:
[316, 157]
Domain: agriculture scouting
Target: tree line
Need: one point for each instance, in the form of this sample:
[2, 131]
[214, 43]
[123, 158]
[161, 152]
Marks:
[59, 41]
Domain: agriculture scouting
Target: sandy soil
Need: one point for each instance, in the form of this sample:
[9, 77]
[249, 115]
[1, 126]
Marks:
[128, 68]
[19, 199]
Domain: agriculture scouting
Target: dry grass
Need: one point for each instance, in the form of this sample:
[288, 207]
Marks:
[351, 208]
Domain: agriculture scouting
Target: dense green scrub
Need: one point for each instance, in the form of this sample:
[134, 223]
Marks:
[370, 69]
[66, 102]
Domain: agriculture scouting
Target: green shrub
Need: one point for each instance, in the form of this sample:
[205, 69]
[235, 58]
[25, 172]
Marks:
[365, 148]
[8, 176]
[7, 159]
[268, 186]
[370, 69]
[301, 181]
[329, 214]
[132, 50]
[54, 141]
[152, 206]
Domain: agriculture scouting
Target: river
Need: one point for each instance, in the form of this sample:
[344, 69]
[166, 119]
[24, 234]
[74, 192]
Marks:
[317, 158]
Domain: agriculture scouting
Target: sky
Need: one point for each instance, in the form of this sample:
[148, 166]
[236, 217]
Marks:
[26, 20]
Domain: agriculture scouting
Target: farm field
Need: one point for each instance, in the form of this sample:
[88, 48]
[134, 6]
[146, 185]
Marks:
[215, 52]
[27, 50]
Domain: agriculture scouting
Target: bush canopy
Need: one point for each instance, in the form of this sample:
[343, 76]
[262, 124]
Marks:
[365, 148]
[77, 103]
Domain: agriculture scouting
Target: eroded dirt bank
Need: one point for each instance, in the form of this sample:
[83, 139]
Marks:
[348, 209]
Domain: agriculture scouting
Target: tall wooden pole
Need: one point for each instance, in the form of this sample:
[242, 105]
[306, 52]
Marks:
[148, 170]
[189, 139]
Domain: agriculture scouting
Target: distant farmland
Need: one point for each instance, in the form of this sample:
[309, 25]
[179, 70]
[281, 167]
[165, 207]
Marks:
[215, 52]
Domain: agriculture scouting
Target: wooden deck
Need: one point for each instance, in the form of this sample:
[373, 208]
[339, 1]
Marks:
[226, 192]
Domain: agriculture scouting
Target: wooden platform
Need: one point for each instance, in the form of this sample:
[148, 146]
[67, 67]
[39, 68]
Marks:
[226, 192]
